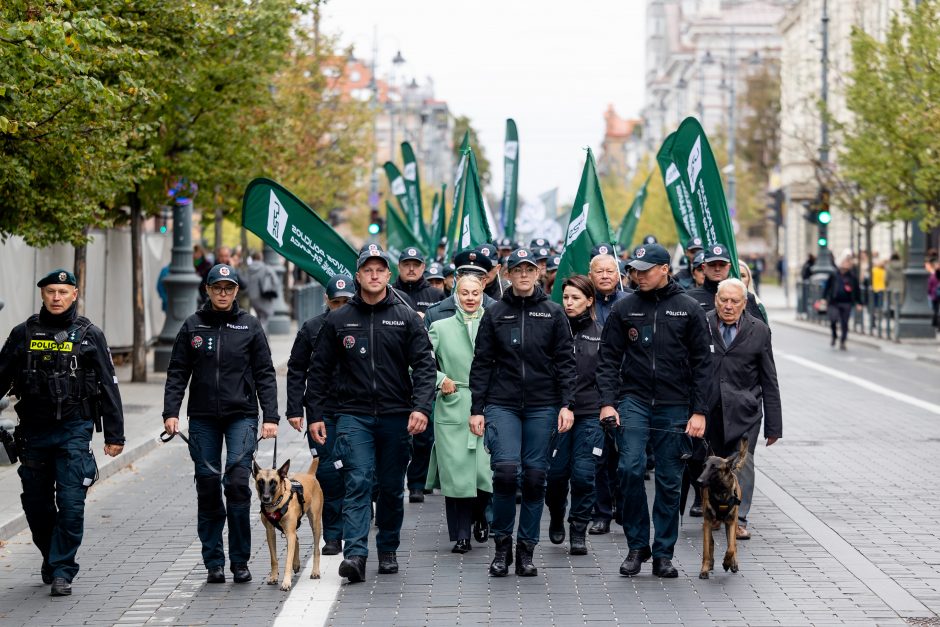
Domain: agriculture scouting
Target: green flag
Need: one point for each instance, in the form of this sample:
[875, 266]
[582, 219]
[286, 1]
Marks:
[680, 199]
[587, 227]
[399, 189]
[398, 235]
[436, 234]
[298, 234]
[698, 169]
[454, 225]
[415, 215]
[507, 213]
[631, 218]
[474, 225]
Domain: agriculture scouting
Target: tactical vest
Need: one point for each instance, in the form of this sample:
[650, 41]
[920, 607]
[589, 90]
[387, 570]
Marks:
[53, 372]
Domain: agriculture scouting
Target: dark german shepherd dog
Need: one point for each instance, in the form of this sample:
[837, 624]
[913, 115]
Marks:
[721, 495]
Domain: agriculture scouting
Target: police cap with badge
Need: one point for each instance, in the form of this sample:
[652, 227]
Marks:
[472, 260]
[521, 256]
[552, 264]
[411, 254]
[717, 252]
[434, 271]
[541, 253]
[694, 244]
[649, 256]
[372, 251]
[222, 272]
[340, 286]
[602, 249]
[58, 277]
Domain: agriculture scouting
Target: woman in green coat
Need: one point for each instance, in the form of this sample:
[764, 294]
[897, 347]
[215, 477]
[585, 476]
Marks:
[460, 466]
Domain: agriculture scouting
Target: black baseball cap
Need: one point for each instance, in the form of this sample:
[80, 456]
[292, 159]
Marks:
[58, 277]
[717, 252]
[694, 244]
[490, 251]
[339, 286]
[520, 256]
[649, 256]
[553, 262]
[449, 270]
[434, 271]
[373, 251]
[411, 253]
[366, 247]
[698, 260]
[602, 249]
[650, 239]
[472, 260]
[505, 244]
[541, 253]
[222, 272]
[538, 242]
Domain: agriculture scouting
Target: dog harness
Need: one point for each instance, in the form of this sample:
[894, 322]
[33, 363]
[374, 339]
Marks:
[721, 507]
[274, 517]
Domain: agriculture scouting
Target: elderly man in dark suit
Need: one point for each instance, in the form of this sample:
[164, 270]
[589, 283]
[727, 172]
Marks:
[745, 378]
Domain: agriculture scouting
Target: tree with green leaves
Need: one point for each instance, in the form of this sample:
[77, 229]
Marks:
[892, 143]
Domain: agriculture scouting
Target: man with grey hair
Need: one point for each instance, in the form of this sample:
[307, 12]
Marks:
[745, 389]
[604, 273]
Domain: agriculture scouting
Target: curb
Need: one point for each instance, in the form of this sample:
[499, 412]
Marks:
[122, 461]
[863, 340]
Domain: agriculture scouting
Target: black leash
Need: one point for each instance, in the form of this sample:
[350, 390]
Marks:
[166, 437]
[609, 427]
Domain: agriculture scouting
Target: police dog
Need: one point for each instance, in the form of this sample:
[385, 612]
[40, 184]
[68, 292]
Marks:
[721, 495]
[283, 504]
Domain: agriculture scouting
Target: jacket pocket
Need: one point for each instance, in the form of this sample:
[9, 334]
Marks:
[83, 469]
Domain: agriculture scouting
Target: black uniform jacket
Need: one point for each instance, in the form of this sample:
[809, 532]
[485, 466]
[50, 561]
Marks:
[745, 377]
[93, 354]
[224, 358]
[298, 367]
[587, 342]
[420, 294]
[364, 351]
[524, 355]
[655, 349]
[705, 296]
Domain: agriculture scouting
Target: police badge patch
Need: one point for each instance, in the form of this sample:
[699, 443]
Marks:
[224, 271]
[197, 341]
[634, 334]
[349, 341]
[63, 276]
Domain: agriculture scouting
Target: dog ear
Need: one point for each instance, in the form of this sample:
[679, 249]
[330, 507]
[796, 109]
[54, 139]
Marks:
[731, 459]
[741, 455]
[282, 471]
[255, 469]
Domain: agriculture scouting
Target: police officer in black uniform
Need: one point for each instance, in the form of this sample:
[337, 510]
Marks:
[60, 368]
[367, 348]
[684, 276]
[339, 290]
[717, 267]
[222, 353]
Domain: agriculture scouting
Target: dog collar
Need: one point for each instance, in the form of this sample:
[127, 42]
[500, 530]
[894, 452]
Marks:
[274, 516]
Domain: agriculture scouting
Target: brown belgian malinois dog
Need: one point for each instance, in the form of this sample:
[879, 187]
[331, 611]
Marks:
[721, 495]
[284, 501]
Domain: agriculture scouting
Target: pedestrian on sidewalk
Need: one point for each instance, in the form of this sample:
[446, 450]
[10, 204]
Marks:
[377, 351]
[261, 285]
[459, 465]
[221, 353]
[339, 290]
[654, 376]
[746, 390]
[576, 454]
[933, 292]
[522, 382]
[59, 366]
[841, 291]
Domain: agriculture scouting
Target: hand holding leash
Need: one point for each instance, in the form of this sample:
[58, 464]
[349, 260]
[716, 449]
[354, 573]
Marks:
[696, 426]
[268, 430]
[318, 431]
[171, 425]
[609, 417]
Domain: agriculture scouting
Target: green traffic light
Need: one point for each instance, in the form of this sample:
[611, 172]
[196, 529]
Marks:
[373, 229]
[824, 217]
[163, 229]
[822, 241]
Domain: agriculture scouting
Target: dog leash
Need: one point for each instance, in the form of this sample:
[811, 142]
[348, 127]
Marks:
[607, 429]
[166, 437]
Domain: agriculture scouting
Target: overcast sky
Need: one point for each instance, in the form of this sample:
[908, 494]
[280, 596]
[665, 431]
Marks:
[553, 66]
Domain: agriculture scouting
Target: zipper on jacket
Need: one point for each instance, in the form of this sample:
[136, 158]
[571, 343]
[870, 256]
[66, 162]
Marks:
[653, 346]
[375, 407]
[218, 367]
[522, 350]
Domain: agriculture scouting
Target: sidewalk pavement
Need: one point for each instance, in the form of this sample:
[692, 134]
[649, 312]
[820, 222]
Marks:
[780, 311]
[143, 409]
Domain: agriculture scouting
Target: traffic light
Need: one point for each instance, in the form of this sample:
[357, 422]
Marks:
[375, 222]
[775, 207]
[823, 218]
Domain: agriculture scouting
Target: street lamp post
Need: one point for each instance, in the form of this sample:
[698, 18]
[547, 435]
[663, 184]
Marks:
[823, 266]
[182, 282]
[279, 322]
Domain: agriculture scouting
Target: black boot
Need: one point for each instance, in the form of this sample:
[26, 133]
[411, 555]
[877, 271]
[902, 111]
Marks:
[353, 568]
[662, 567]
[332, 547]
[240, 573]
[599, 527]
[481, 531]
[388, 563]
[502, 557]
[61, 587]
[216, 575]
[556, 527]
[524, 565]
[635, 558]
[576, 533]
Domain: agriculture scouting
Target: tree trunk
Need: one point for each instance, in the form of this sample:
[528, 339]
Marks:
[243, 240]
[139, 350]
[81, 264]
[219, 216]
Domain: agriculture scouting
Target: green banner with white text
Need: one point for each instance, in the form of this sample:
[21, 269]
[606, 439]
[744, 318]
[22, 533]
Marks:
[298, 234]
[474, 225]
[507, 214]
[415, 215]
[680, 199]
